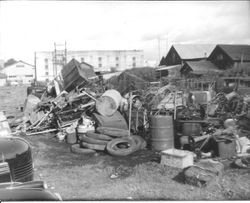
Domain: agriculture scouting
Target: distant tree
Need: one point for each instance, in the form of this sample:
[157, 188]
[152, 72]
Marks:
[9, 62]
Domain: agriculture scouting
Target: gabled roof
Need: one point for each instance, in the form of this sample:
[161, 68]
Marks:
[203, 66]
[193, 51]
[236, 51]
[20, 61]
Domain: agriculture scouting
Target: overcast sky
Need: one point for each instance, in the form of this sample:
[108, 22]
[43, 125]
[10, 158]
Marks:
[26, 27]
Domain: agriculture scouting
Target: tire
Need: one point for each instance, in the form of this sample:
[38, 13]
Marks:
[92, 134]
[93, 146]
[75, 148]
[113, 149]
[90, 140]
[113, 132]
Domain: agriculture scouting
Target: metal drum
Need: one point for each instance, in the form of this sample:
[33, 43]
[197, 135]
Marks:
[162, 132]
[108, 103]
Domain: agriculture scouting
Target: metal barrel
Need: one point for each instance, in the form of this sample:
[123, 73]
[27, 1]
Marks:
[108, 103]
[162, 132]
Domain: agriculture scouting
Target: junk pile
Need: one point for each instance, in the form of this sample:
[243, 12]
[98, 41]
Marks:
[82, 114]
[184, 126]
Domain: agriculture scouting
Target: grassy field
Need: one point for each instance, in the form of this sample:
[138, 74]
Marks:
[139, 176]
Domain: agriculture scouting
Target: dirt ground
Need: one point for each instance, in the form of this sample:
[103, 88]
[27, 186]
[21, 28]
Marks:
[139, 176]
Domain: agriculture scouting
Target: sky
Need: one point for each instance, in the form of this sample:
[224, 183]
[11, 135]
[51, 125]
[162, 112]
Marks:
[151, 26]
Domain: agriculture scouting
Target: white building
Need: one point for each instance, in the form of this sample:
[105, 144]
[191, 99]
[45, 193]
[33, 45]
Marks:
[101, 60]
[2, 79]
[20, 72]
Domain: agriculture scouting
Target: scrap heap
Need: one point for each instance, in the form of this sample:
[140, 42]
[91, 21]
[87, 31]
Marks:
[130, 112]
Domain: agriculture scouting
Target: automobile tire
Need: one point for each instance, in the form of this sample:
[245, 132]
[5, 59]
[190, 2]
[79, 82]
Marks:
[113, 149]
[76, 148]
[113, 132]
[93, 146]
[92, 134]
[90, 140]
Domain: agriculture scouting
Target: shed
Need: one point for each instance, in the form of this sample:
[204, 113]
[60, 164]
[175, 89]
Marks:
[170, 71]
[230, 55]
[180, 53]
[199, 68]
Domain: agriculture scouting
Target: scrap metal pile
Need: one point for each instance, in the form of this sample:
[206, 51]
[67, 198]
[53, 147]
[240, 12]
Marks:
[82, 111]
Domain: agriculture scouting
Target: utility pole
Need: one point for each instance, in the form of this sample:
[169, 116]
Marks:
[35, 67]
[159, 50]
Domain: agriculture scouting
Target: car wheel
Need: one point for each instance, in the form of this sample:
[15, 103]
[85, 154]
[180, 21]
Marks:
[93, 146]
[113, 132]
[92, 134]
[90, 140]
[75, 148]
[114, 149]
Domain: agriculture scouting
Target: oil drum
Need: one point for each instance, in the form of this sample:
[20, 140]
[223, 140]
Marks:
[162, 132]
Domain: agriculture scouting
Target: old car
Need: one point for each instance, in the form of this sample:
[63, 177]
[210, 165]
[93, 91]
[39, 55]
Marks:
[32, 190]
[16, 169]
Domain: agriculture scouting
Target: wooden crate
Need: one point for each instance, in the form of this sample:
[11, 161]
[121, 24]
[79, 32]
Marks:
[177, 158]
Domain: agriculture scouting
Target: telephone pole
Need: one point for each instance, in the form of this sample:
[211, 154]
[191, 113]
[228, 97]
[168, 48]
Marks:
[35, 67]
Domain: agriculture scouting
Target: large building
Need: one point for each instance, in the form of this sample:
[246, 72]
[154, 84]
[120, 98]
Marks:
[101, 60]
[20, 72]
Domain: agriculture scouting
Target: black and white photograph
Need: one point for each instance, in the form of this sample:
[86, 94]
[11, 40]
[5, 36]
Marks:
[124, 100]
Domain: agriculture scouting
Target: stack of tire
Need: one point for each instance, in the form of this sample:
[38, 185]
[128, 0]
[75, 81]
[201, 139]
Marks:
[115, 141]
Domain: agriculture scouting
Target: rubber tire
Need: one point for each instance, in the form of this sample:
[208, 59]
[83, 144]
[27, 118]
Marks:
[93, 146]
[75, 148]
[139, 141]
[114, 150]
[90, 140]
[92, 134]
[113, 132]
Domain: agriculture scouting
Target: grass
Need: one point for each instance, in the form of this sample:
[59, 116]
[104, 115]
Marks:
[137, 177]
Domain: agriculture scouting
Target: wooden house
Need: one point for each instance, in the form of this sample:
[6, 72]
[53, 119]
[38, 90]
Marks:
[227, 56]
[179, 53]
[197, 69]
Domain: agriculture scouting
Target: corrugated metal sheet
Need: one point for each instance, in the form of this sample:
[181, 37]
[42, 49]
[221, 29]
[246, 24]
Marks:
[194, 51]
[159, 68]
[202, 66]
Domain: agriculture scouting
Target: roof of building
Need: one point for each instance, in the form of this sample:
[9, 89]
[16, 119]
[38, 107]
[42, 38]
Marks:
[194, 51]
[160, 68]
[236, 51]
[200, 67]
[20, 61]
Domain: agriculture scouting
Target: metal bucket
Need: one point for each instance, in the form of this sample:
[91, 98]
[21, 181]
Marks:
[71, 136]
[108, 103]
[162, 132]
